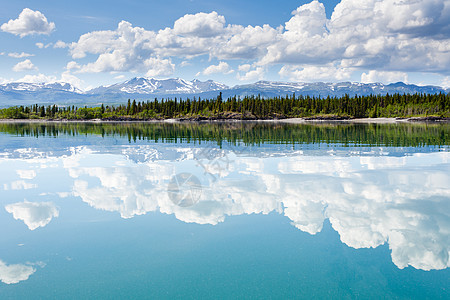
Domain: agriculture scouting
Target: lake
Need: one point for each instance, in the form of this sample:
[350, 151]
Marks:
[224, 210]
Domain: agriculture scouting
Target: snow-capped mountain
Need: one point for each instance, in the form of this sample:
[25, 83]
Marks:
[172, 86]
[38, 87]
[20, 93]
[271, 88]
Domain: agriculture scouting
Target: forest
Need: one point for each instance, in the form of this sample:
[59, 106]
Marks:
[247, 108]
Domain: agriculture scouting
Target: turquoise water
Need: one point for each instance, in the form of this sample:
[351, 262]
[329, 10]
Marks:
[220, 211]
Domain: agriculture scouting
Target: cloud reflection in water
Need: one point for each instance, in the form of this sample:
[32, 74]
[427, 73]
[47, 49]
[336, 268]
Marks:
[369, 199]
[15, 273]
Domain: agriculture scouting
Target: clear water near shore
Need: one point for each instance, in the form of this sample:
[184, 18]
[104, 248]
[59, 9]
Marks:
[224, 211]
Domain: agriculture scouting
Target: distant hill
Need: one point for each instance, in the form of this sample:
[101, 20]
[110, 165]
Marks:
[141, 88]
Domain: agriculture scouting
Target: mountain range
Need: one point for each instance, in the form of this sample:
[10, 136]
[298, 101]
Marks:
[140, 88]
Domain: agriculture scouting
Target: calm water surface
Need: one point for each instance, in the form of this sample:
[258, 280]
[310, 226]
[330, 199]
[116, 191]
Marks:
[254, 210]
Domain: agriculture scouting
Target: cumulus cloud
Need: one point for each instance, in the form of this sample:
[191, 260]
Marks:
[244, 42]
[60, 44]
[39, 78]
[156, 66]
[250, 74]
[372, 35]
[221, 68]
[29, 22]
[42, 45]
[244, 67]
[314, 73]
[19, 55]
[122, 50]
[132, 49]
[34, 215]
[11, 274]
[3, 80]
[378, 35]
[72, 65]
[200, 25]
[308, 20]
[383, 77]
[25, 65]
[72, 79]
[417, 18]
[446, 82]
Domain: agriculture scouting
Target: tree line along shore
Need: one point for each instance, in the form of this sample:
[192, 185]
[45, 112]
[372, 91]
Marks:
[244, 133]
[431, 106]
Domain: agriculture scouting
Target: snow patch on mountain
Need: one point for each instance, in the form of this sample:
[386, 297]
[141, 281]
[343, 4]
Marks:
[141, 85]
[37, 87]
[141, 88]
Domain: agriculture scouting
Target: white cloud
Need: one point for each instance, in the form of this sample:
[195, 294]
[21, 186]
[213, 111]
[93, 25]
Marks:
[72, 65]
[308, 20]
[221, 68]
[120, 77]
[314, 73]
[25, 65]
[446, 82]
[185, 63]
[39, 78]
[98, 42]
[244, 42]
[29, 22]
[11, 274]
[244, 67]
[60, 44]
[3, 80]
[413, 17]
[72, 79]
[19, 55]
[34, 215]
[358, 36]
[383, 77]
[156, 66]
[387, 34]
[250, 75]
[123, 50]
[200, 25]
[128, 47]
[42, 45]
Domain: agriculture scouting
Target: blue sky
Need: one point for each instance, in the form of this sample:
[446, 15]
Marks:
[91, 43]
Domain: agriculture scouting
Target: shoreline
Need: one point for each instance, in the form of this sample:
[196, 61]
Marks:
[411, 120]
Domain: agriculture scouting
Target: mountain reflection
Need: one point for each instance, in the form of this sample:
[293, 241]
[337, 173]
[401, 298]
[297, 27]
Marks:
[370, 199]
